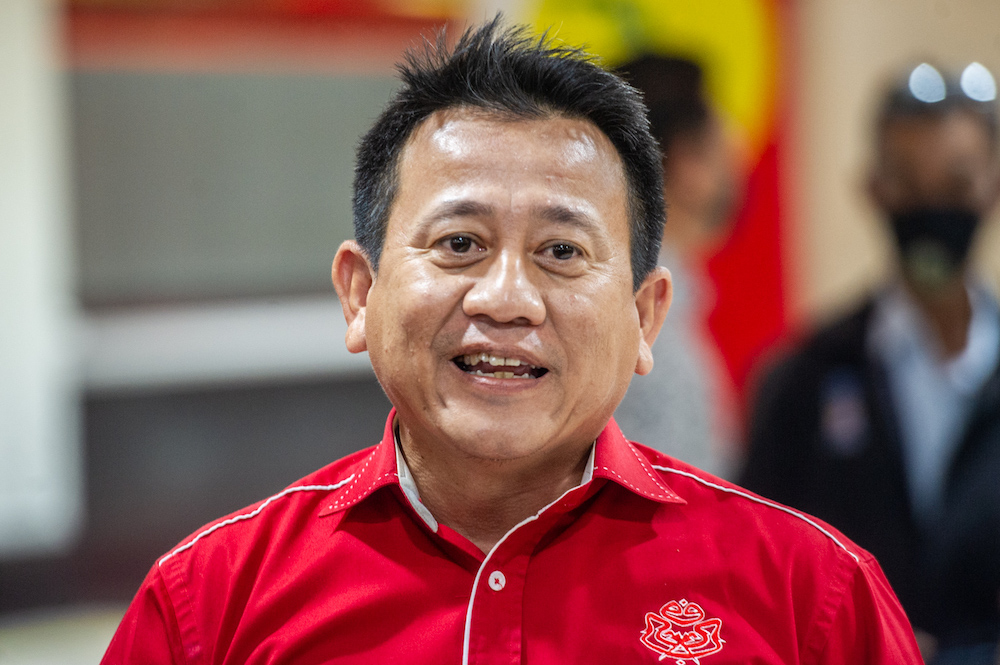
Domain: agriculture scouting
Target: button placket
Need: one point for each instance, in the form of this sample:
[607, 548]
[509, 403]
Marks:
[495, 629]
[495, 617]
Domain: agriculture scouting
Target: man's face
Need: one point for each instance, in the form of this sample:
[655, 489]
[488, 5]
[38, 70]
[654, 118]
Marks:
[704, 180]
[936, 162]
[502, 321]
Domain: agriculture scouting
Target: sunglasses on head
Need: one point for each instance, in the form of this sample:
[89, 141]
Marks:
[928, 85]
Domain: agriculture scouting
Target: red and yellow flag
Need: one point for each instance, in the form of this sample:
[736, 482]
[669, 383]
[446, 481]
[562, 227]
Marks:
[740, 45]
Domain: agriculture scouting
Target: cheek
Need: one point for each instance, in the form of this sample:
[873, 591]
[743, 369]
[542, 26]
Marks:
[602, 331]
[408, 309]
[394, 333]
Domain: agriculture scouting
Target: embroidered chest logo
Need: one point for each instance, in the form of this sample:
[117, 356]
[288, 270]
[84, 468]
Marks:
[681, 631]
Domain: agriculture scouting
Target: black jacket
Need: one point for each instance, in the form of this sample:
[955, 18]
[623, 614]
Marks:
[824, 439]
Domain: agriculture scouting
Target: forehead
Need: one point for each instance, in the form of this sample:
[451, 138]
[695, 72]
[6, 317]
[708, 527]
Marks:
[469, 140]
[929, 140]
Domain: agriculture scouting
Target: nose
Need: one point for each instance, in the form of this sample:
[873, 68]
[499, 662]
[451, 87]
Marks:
[505, 293]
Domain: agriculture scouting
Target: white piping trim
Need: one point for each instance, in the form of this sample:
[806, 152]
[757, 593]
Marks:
[255, 512]
[763, 502]
[479, 573]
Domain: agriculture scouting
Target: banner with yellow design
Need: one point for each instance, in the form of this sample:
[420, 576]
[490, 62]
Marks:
[739, 44]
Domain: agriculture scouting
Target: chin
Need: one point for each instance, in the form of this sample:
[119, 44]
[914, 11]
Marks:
[500, 440]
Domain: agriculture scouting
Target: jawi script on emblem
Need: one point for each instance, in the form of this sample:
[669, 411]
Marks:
[681, 631]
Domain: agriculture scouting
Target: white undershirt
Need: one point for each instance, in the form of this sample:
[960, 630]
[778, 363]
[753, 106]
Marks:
[933, 396]
[409, 485]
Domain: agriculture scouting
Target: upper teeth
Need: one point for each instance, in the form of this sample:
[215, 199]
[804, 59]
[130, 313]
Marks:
[496, 361]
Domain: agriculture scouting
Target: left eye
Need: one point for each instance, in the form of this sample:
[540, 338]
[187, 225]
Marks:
[563, 251]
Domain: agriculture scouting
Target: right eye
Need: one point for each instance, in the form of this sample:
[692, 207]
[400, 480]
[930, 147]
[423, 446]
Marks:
[459, 249]
[460, 244]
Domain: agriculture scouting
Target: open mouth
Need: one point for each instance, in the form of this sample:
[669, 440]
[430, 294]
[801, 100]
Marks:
[483, 364]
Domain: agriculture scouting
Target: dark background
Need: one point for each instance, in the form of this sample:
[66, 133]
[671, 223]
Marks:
[161, 464]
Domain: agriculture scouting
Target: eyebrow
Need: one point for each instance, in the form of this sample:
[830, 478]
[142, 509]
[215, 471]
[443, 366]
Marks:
[461, 208]
[557, 214]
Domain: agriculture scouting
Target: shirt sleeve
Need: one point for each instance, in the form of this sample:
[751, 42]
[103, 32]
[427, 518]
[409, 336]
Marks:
[870, 627]
[149, 632]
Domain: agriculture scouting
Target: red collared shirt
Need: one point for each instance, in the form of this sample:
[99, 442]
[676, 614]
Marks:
[625, 568]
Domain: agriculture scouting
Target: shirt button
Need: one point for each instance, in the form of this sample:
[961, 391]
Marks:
[497, 580]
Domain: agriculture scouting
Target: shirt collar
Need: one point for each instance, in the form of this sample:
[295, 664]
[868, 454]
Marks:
[612, 457]
[617, 460]
[409, 485]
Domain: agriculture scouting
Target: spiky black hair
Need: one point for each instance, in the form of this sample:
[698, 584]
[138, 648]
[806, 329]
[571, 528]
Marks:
[504, 70]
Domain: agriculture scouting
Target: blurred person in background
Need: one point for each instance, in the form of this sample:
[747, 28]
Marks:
[684, 406]
[886, 423]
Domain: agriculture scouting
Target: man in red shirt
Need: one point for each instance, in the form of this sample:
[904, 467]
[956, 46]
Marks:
[508, 212]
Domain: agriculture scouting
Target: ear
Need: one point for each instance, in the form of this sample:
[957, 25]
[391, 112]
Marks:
[652, 301]
[353, 278]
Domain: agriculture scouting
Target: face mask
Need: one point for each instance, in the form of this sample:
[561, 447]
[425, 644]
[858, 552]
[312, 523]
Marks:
[933, 242]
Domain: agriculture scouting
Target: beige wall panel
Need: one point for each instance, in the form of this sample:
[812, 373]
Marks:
[846, 50]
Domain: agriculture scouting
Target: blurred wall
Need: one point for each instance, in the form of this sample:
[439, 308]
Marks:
[40, 488]
[211, 158]
[847, 48]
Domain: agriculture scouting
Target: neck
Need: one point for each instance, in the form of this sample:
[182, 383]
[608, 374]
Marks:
[483, 499]
[948, 309]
